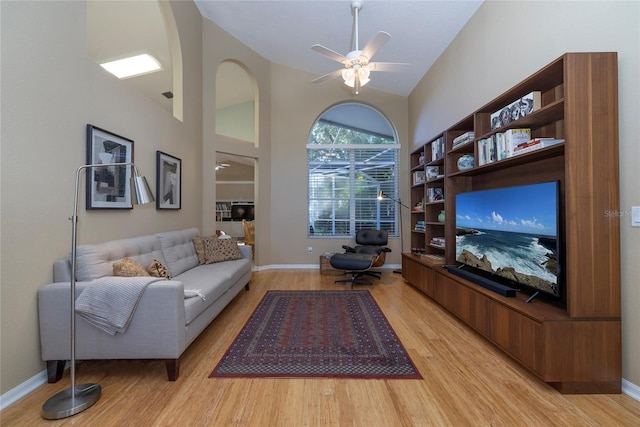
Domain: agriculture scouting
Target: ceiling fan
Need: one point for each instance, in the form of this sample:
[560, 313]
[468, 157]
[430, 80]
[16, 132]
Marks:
[357, 65]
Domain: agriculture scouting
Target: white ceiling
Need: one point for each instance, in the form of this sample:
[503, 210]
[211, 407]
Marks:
[284, 31]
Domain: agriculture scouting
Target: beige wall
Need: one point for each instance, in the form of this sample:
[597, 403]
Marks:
[296, 104]
[50, 91]
[218, 47]
[504, 43]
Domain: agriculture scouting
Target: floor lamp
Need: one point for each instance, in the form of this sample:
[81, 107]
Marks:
[76, 399]
[381, 196]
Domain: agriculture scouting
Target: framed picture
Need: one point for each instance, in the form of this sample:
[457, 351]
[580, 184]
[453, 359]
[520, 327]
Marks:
[108, 187]
[168, 181]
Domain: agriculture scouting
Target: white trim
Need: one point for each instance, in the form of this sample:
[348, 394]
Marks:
[311, 267]
[23, 389]
[630, 389]
[234, 182]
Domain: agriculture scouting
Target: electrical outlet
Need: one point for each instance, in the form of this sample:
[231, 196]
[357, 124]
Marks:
[310, 249]
[635, 216]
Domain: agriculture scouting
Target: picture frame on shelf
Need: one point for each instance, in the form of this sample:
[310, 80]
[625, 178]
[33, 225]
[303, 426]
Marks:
[108, 187]
[432, 172]
[168, 181]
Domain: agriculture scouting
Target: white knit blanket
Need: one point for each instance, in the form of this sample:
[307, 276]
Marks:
[109, 302]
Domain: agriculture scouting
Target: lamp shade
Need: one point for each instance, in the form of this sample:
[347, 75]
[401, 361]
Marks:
[140, 189]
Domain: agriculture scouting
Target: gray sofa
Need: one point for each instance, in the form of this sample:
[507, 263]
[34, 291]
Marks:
[165, 320]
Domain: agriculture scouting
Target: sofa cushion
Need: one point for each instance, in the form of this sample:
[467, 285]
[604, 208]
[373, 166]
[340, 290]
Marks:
[219, 250]
[158, 269]
[179, 252]
[212, 280]
[128, 268]
[94, 261]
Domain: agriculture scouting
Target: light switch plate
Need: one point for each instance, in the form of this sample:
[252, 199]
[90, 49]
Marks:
[635, 216]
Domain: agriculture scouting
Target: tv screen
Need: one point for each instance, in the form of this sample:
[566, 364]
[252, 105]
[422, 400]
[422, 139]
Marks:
[240, 212]
[511, 234]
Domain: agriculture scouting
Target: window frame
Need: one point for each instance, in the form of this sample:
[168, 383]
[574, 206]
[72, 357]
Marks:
[356, 219]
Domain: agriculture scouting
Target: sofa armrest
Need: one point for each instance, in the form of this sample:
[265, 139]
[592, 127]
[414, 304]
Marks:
[156, 331]
[245, 250]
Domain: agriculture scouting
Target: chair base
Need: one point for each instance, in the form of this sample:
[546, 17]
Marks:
[376, 274]
[355, 278]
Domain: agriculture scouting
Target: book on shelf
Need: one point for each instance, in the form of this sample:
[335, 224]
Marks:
[487, 150]
[536, 144]
[437, 149]
[501, 146]
[420, 226]
[515, 137]
[418, 177]
[517, 109]
[438, 241]
[435, 194]
[482, 152]
[463, 139]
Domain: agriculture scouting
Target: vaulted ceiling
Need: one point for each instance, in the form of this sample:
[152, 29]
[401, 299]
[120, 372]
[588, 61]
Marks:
[284, 31]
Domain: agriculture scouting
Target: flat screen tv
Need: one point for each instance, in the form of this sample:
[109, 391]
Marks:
[240, 212]
[511, 235]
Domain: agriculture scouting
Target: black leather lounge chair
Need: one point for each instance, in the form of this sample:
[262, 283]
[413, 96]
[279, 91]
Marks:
[358, 261]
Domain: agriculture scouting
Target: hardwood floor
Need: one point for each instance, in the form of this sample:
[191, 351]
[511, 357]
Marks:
[467, 381]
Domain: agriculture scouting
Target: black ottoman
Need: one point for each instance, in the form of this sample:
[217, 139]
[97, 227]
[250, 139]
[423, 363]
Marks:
[355, 264]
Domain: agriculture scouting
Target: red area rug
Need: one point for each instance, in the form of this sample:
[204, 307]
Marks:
[331, 334]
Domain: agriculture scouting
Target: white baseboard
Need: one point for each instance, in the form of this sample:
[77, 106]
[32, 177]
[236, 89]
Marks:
[23, 389]
[630, 389]
[311, 267]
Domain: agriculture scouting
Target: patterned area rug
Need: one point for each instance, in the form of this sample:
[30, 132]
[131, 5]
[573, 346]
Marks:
[331, 334]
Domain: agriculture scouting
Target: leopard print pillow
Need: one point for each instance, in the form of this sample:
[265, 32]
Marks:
[157, 269]
[128, 268]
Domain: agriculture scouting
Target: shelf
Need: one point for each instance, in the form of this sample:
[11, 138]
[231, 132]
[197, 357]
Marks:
[573, 345]
[544, 116]
[522, 159]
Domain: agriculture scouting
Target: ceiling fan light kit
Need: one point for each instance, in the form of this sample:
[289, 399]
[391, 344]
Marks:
[357, 62]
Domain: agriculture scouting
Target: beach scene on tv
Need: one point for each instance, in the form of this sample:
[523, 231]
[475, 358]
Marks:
[511, 232]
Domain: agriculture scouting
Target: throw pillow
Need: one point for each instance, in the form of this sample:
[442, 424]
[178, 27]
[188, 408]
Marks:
[128, 268]
[198, 244]
[218, 250]
[157, 269]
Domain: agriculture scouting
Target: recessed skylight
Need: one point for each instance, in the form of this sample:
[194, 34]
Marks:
[132, 66]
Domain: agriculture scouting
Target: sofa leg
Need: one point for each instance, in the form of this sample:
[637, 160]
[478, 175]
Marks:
[173, 368]
[55, 369]
[246, 287]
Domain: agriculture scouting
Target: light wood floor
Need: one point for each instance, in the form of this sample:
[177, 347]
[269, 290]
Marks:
[467, 381]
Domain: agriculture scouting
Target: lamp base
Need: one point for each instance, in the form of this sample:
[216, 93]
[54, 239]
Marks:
[63, 404]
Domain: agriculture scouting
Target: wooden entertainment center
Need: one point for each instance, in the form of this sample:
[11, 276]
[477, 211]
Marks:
[574, 347]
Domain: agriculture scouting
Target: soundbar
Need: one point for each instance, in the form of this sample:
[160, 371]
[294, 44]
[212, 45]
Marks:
[482, 281]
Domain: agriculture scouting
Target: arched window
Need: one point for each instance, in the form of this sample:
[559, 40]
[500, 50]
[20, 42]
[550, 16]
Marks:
[352, 154]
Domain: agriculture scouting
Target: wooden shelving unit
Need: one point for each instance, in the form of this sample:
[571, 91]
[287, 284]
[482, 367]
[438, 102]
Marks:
[575, 347]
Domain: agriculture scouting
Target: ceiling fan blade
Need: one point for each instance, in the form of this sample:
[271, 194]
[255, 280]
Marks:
[329, 76]
[375, 43]
[329, 53]
[388, 66]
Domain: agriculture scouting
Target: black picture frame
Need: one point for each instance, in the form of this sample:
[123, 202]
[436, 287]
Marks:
[168, 181]
[108, 187]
